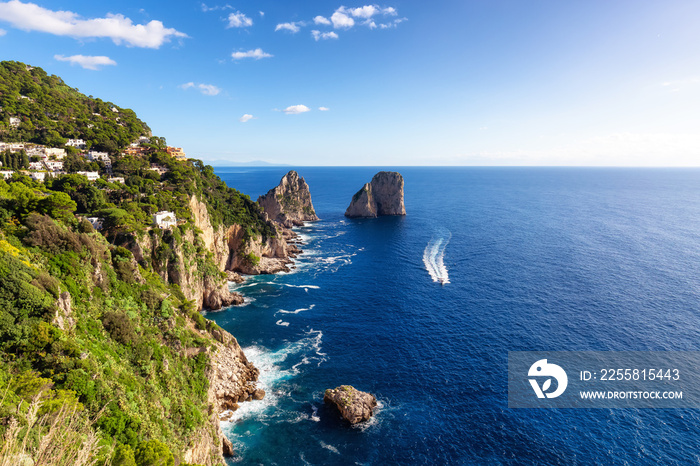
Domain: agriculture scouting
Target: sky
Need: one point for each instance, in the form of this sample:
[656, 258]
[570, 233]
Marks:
[407, 82]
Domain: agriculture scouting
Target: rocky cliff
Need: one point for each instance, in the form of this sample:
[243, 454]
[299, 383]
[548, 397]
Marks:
[289, 204]
[232, 380]
[382, 196]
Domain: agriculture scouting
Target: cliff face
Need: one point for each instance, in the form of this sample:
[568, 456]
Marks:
[382, 196]
[232, 379]
[289, 204]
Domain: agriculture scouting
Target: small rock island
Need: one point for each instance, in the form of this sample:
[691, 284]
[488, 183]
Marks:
[355, 406]
[289, 203]
[382, 196]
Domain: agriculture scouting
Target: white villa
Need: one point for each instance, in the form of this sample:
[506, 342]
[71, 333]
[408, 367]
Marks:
[116, 179]
[38, 176]
[164, 219]
[14, 122]
[91, 176]
[36, 166]
[7, 174]
[52, 151]
[77, 143]
[53, 165]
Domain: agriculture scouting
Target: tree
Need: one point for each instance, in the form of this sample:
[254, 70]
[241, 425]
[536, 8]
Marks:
[57, 205]
[153, 453]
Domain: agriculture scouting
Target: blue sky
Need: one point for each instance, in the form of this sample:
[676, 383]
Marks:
[402, 83]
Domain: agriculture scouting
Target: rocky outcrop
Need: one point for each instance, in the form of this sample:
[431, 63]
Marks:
[382, 196]
[355, 406]
[256, 255]
[63, 318]
[289, 204]
[232, 380]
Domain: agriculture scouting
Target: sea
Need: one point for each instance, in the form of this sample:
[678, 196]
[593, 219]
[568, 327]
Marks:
[422, 311]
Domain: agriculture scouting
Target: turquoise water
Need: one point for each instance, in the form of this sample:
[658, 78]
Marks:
[536, 259]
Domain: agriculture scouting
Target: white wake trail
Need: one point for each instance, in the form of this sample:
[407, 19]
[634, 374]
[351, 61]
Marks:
[434, 255]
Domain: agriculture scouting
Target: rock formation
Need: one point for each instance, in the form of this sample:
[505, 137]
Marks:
[382, 196]
[355, 406]
[232, 379]
[289, 204]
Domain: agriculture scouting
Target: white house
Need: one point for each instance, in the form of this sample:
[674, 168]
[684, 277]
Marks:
[38, 176]
[52, 151]
[36, 166]
[7, 174]
[78, 143]
[53, 165]
[164, 219]
[14, 122]
[91, 176]
[96, 155]
[116, 179]
[159, 169]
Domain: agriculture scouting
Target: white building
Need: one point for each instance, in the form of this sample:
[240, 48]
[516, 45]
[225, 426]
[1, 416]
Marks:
[78, 143]
[91, 176]
[14, 122]
[94, 155]
[116, 179]
[36, 166]
[52, 151]
[159, 169]
[53, 165]
[7, 174]
[36, 151]
[164, 219]
[38, 176]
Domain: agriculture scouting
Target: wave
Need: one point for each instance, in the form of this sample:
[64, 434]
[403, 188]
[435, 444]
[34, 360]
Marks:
[282, 323]
[296, 311]
[434, 255]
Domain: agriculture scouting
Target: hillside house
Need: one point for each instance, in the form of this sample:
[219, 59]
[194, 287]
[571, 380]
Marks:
[77, 143]
[6, 174]
[14, 122]
[58, 154]
[54, 165]
[176, 153]
[38, 176]
[36, 166]
[91, 176]
[116, 179]
[164, 219]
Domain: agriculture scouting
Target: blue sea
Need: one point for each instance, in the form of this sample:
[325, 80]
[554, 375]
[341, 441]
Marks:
[562, 259]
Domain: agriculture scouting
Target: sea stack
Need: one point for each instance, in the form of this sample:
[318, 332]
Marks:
[355, 406]
[289, 204]
[382, 196]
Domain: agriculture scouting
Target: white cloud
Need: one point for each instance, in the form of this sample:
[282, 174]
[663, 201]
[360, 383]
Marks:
[246, 117]
[207, 9]
[206, 89]
[322, 20]
[366, 11]
[318, 35]
[32, 17]
[262, 13]
[291, 27]
[342, 20]
[2, 32]
[239, 20]
[392, 24]
[296, 109]
[89, 63]
[256, 54]
[323, 109]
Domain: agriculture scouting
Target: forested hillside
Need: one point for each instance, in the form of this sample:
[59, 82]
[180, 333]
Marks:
[50, 112]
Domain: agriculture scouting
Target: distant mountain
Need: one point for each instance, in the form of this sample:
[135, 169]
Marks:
[253, 163]
[36, 107]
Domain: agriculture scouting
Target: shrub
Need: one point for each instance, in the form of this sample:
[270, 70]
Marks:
[153, 453]
[120, 327]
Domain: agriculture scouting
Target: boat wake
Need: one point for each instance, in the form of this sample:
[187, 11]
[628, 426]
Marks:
[434, 255]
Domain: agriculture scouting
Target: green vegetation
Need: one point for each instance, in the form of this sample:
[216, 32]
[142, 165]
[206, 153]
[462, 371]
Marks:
[90, 336]
[51, 112]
